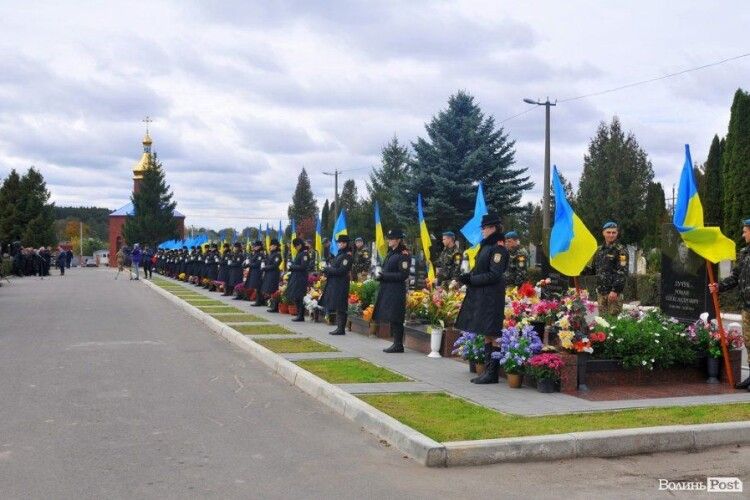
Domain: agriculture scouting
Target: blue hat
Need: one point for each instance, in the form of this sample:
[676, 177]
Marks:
[610, 225]
[511, 234]
[449, 233]
[746, 222]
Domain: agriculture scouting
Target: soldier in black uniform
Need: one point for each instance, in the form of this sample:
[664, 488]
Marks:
[313, 256]
[255, 278]
[482, 309]
[297, 287]
[448, 263]
[272, 273]
[327, 255]
[611, 269]
[390, 304]
[361, 266]
[223, 273]
[234, 269]
[336, 292]
[740, 278]
[518, 260]
[214, 259]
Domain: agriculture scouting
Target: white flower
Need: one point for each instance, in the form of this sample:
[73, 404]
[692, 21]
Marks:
[643, 362]
[704, 317]
[656, 340]
[601, 322]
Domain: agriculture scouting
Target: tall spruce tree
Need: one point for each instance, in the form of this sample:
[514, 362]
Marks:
[614, 182]
[325, 219]
[656, 209]
[11, 226]
[736, 166]
[35, 213]
[462, 148]
[385, 181]
[711, 199]
[153, 209]
[304, 207]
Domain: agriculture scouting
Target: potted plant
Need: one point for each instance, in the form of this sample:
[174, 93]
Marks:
[545, 368]
[705, 333]
[470, 347]
[517, 345]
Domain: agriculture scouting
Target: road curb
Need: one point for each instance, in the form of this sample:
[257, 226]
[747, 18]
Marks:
[608, 443]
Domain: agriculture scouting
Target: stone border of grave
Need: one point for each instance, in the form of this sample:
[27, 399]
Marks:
[610, 443]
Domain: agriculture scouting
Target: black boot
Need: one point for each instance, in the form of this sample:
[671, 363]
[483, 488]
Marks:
[274, 308]
[300, 310]
[259, 300]
[340, 324]
[397, 329]
[491, 372]
[487, 361]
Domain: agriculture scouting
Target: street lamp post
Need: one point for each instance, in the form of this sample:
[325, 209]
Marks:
[545, 196]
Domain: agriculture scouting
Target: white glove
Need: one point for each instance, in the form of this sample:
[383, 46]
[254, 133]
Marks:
[262, 265]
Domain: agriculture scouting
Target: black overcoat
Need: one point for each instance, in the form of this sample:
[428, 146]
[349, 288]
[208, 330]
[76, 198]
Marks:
[255, 277]
[483, 308]
[271, 273]
[336, 292]
[297, 287]
[390, 305]
[234, 264]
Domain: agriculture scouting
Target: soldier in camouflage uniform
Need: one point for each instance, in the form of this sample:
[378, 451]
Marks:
[361, 265]
[448, 263]
[518, 265]
[611, 269]
[740, 278]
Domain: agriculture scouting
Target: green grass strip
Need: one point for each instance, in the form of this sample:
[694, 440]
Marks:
[350, 371]
[204, 302]
[295, 345]
[262, 330]
[446, 418]
[239, 318]
[219, 309]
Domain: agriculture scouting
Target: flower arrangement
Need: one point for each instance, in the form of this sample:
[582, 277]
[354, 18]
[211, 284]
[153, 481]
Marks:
[443, 306]
[416, 304]
[368, 292]
[470, 347]
[517, 345]
[367, 313]
[545, 311]
[545, 366]
[705, 335]
[181, 277]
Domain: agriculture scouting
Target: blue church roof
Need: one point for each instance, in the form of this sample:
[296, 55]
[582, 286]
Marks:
[128, 210]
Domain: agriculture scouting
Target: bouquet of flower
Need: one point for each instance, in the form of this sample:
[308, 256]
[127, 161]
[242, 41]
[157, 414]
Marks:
[517, 345]
[416, 304]
[181, 277]
[443, 306]
[545, 311]
[704, 333]
[470, 347]
[367, 313]
[545, 366]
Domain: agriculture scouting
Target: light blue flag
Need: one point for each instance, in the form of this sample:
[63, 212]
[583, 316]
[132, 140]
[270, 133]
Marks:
[338, 229]
[472, 230]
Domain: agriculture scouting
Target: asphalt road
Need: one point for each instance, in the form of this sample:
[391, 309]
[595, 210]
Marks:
[107, 391]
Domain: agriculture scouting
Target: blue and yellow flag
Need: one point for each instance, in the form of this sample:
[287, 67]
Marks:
[281, 247]
[380, 244]
[267, 238]
[571, 244]
[708, 242]
[293, 250]
[472, 230]
[424, 236]
[318, 240]
[338, 229]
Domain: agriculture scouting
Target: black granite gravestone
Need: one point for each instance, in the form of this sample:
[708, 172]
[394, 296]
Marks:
[684, 284]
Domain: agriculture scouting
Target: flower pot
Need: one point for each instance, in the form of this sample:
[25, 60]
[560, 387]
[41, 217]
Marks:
[545, 385]
[583, 358]
[284, 308]
[436, 340]
[472, 367]
[714, 366]
[292, 309]
[514, 380]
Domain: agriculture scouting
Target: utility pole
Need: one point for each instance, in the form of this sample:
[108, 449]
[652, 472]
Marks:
[80, 243]
[335, 175]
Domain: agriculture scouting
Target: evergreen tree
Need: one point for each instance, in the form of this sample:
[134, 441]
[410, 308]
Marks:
[711, 199]
[385, 181]
[153, 218]
[462, 148]
[614, 183]
[348, 199]
[736, 166]
[35, 213]
[656, 208]
[304, 207]
[325, 219]
[11, 227]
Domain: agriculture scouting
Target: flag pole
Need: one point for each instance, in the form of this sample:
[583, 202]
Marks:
[578, 288]
[722, 333]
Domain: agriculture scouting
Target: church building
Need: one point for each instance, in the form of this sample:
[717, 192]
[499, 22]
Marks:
[118, 217]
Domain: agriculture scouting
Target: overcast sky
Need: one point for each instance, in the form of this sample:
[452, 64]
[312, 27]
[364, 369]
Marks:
[244, 93]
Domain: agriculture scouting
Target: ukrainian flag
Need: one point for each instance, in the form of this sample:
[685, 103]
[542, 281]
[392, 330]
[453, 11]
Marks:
[338, 229]
[267, 238]
[281, 247]
[571, 244]
[318, 240]
[294, 235]
[708, 242]
[472, 230]
[424, 235]
[380, 244]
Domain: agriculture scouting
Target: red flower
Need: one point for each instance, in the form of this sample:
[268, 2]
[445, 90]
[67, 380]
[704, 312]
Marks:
[526, 290]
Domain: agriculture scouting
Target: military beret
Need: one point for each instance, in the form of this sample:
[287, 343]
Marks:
[395, 234]
[359, 238]
[609, 225]
[746, 222]
[450, 234]
[511, 234]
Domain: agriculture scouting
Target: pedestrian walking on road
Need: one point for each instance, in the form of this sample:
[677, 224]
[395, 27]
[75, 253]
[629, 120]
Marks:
[61, 261]
[135, 257]
[120, 257]
[148, 263]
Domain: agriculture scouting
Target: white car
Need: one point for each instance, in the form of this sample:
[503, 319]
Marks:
[89, 262]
